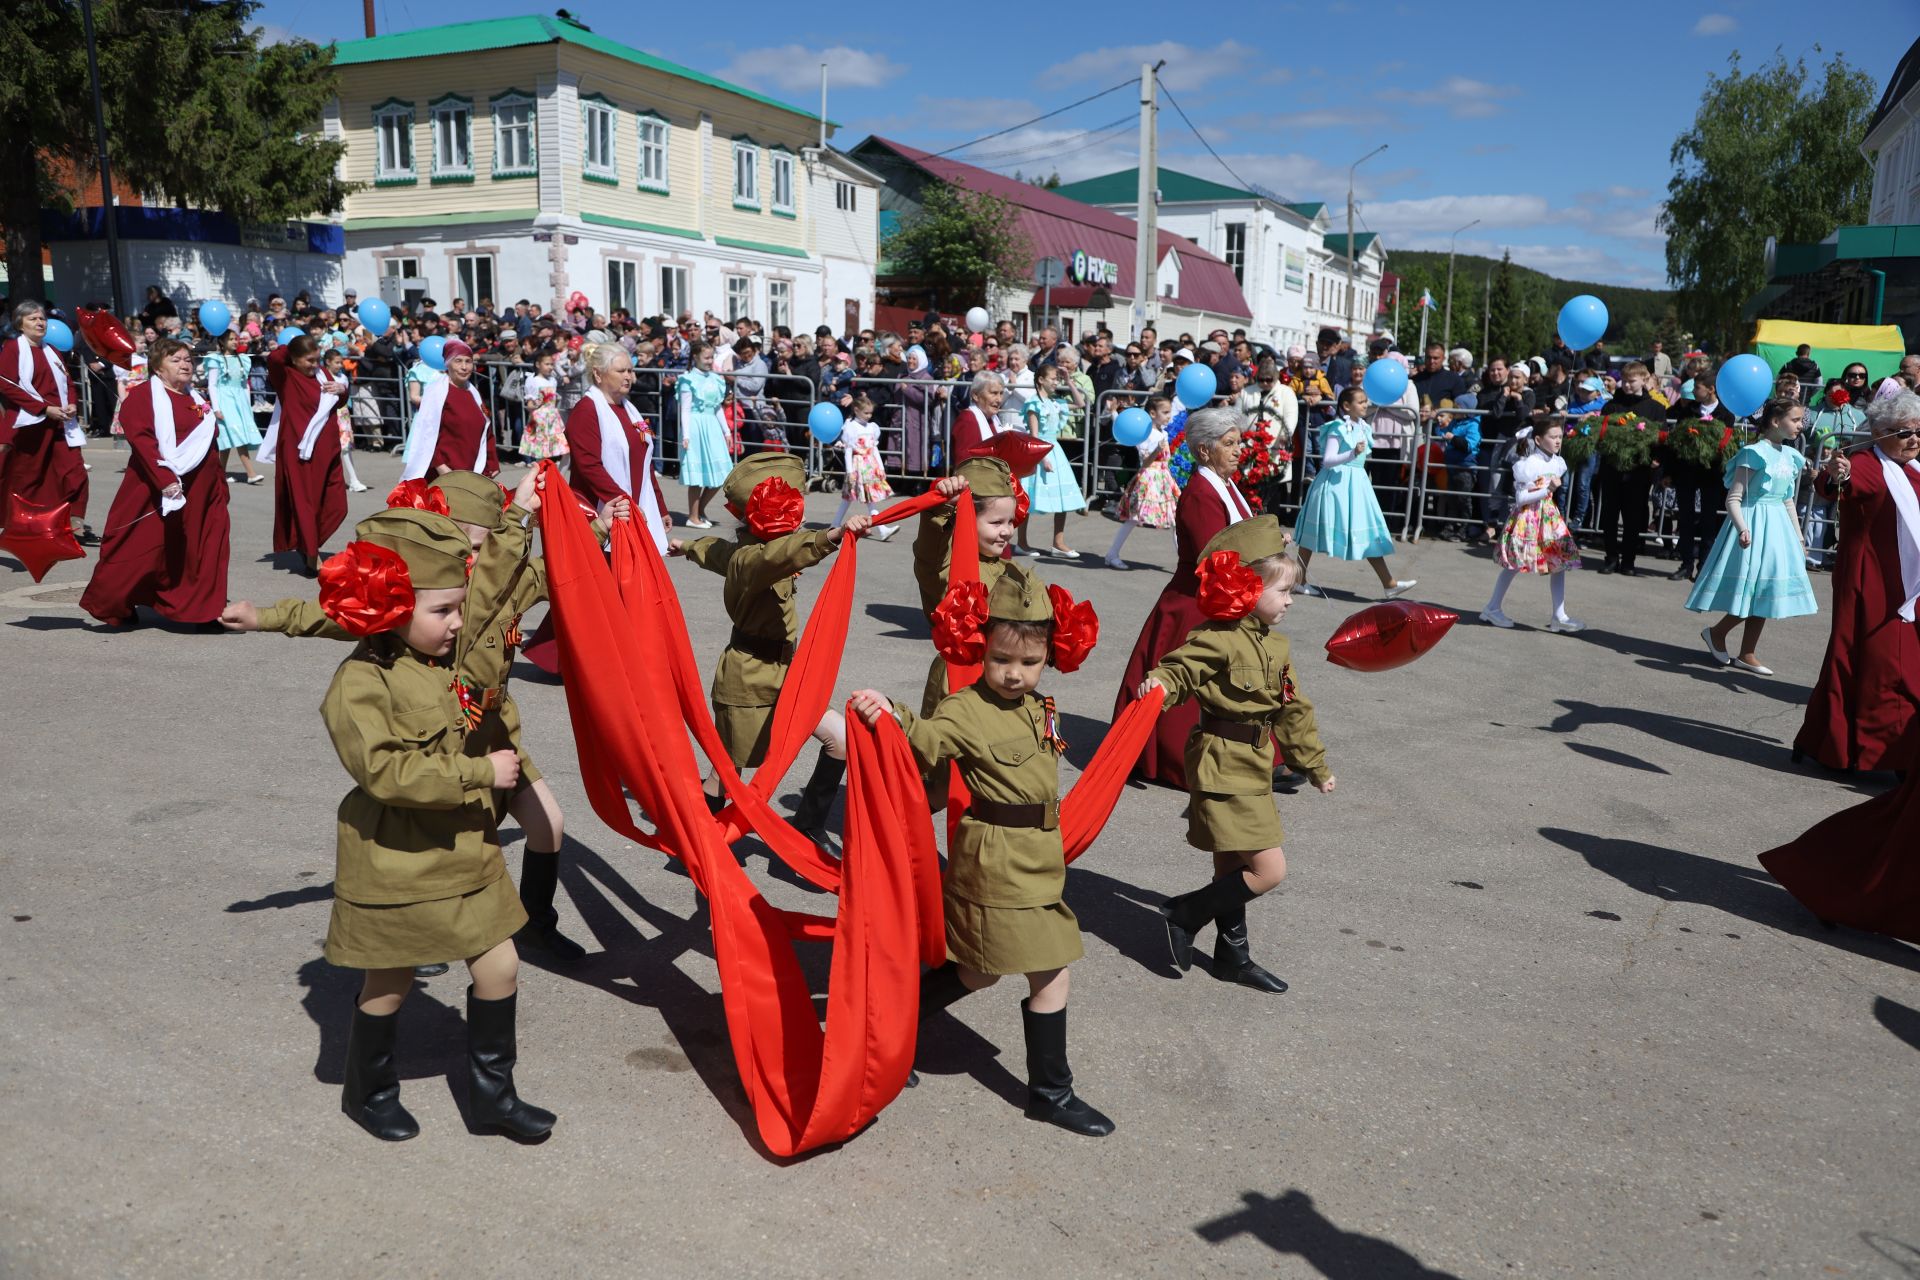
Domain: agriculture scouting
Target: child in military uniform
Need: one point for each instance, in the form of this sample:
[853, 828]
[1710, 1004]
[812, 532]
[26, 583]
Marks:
[996, 517]
[418, 873]
[766, 493]
[1237, 668]
[1006, 866]
[507, 581]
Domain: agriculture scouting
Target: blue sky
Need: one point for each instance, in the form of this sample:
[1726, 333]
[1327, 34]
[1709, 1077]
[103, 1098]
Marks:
[1553, 131]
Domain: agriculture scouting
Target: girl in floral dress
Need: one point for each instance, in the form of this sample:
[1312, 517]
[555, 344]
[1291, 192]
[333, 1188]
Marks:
[1154, 494]
[336, 363]
[546, 435]
[866, 471]
[1051, 489]
[1536, 539]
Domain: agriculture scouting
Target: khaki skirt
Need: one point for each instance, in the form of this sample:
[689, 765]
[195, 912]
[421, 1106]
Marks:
[745, 733]
[1008, 940]
[1232, 824]
[402, 935]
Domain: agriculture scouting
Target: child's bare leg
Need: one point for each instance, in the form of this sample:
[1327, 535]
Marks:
[1047, 990]
[383, 990]
[831, 734]
[1060, 531]
[1750, 640]
[816, 798]
[538, 812]
[1381, 570]
[1306, 561]
[496, 971]
[1264, 870]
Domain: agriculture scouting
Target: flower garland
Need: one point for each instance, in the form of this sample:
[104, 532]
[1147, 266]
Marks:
[1577, 444]
[1625, 441]
[1698, 444]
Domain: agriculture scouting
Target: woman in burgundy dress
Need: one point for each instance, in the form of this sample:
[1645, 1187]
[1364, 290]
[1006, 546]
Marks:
[986, 393]
[1861, 867]
[451, 430]
[1208, 504]
[303, 444]
[165, 538]
[1865, 709]
[40, 431]
[612, 448]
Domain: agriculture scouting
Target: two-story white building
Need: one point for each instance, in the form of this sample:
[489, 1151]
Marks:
[1290, 269]
[529, 157]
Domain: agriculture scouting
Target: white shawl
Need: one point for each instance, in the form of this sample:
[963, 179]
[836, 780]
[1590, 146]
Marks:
[1227, 498]
[617, 457]
[73, 431]
[179, 455]
[270, 447]
[1907, 505]
[426, 430]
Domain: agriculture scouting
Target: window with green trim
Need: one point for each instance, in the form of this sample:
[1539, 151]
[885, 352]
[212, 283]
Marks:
[746, 174]
[782, 181]
[599, 122]
[653, 152]
[452, 136]
[514, 154]
[393, 132]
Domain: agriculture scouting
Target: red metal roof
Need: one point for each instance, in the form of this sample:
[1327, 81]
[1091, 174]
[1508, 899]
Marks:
[1056, 226]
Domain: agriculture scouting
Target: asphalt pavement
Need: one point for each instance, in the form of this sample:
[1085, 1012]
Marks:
[1548, 1017]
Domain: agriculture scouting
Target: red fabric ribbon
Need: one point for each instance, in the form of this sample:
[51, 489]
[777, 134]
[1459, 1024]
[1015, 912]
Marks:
[419, 495]
[1228, 589]
[775, 509]
[366, 588]
[1076, 629]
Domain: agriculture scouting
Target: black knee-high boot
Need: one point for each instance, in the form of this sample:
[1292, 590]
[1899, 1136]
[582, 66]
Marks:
[371, 1094]
[1050, 1095]
[1188, 913]
[539, 877]
[491, 1054]
[1232, 957]
[816, 799]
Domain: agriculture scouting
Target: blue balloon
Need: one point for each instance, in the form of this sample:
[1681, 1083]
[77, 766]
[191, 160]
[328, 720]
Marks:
[826, 422]
[434, 351]
[59, 337]
[288, 334]
[214, 318]
[1195, 386]
[1744, 385]
[1583, 321]
[1131, 427]
[376, 315]
[1385, 381]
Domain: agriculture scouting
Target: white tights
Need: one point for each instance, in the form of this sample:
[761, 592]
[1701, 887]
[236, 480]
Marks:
[346, 467]
[846, 504]
[1120, 538]
[1557, 581]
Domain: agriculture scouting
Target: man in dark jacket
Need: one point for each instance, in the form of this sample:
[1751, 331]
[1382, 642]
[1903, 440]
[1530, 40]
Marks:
[1508, 409]
[1624, 495]
[1698, 490]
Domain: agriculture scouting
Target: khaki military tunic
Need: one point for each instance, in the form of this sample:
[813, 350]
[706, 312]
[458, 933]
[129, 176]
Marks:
[766, 626]
[506, 582]
[418, 875]
[1239, 671]
[1004, 883]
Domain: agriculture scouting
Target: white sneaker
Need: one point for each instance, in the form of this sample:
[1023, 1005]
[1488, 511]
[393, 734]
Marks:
[1566, 626]
[1400, 588]
[1493, 617]
[356, 488]
[1720, 656]
[880, 533]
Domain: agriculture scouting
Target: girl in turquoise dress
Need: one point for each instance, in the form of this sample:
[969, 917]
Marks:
[1341, 516]
[1758, 567]
[226, 375]
[1051, 488]
[704, 460]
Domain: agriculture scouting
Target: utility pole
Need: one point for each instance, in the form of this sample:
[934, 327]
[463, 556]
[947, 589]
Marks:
[823, 105]
[107, 208]
[1146, 261]
[366, 12]
[1447, 328]
[1350, 168]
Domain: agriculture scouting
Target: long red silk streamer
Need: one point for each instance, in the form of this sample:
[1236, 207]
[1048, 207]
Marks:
[633, 694]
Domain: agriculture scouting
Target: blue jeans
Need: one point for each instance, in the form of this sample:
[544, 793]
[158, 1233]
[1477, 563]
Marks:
[1820, 525]
[1580, 490]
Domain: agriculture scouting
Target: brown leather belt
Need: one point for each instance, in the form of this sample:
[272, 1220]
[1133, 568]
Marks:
[764, 648]
[1039, 817]
[1253, 733]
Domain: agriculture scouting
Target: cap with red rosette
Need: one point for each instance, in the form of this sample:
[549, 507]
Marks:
[369, 587]
[1229, 588]
[768, 492]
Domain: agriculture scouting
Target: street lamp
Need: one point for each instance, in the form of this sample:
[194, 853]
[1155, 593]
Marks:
[1350, 168]
[1447, 340]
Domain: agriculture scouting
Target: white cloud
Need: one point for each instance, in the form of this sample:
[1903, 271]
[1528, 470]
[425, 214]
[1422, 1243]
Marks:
[1461, 97]
[1187, 67]
[1716, 24]
[1440, 214]
[1566, 261]
[794, 68]
[1313, 118]
[1294, 176]
[273, 33]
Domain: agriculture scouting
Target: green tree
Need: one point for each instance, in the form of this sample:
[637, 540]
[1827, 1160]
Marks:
[960, 244]
[1506, 326]
[198, 112]
[1771, 153]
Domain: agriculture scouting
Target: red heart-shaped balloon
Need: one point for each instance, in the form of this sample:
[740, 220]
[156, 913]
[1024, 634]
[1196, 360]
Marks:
[40, 537]
[1384, 636]
[108, 338]
[1021, 451]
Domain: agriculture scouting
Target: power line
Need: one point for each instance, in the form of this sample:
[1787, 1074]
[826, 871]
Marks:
[1244, 184]
[1036, 120]
[1085, 137]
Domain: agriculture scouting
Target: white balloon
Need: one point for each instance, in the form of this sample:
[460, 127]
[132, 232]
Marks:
[978, 319]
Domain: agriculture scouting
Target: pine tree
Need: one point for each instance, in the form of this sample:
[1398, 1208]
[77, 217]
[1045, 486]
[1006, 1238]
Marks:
[198, 112]
[1507, 325]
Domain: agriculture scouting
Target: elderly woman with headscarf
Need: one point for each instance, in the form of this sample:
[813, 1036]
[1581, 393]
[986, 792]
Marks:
[451, 431]
[1208, 504]
[40, 432]
[1865, 708]
[921, 421]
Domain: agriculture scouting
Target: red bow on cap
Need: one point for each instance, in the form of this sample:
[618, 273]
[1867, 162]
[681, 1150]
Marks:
[775, 509]
[366, 588]
[1076, 629]
[1228, 589]
[419, 495]
[960, 622]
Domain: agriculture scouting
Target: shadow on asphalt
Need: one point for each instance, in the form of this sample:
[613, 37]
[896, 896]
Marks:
[1607, 756]
[1124, 916]
[1747, 892]
[432, 1039]
[1292, 1224]
[907, 622]
[1899, 1019]
[286, 898]
[1699, 735]
[1693, 662]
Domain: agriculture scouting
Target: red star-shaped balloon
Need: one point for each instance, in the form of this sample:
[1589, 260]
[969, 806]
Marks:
[40, 536]
[1020, 450]
[1384, 636]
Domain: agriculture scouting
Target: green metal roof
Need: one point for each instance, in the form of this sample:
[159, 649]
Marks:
[1844, 244]
[1123, 187]
[1337, 243]
[1309, 210]
[513, 33]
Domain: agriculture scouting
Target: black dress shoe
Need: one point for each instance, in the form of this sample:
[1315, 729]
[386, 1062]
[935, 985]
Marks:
[1628, 571]
[1607, 567]
[429, 970]
[1681, 574]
